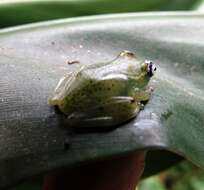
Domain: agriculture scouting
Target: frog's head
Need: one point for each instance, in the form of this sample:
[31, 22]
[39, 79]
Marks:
[149, 67]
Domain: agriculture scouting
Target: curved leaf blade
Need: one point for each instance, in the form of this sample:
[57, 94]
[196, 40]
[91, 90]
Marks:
[33, 58]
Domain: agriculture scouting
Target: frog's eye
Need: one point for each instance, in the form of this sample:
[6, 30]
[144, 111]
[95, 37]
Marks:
[151, 68]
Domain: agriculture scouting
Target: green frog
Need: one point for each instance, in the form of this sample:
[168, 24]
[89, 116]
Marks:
[104, 94]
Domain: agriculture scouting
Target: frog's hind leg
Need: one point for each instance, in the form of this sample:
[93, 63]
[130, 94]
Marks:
[103, 121]
[88, 120]
[125, 108]
[120, 109]
[114, 112]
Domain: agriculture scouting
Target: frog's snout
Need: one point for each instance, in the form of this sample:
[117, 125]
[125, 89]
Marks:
[151, 68]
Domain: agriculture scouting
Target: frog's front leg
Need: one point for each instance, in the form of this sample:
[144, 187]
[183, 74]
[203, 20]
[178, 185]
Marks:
[142, 95]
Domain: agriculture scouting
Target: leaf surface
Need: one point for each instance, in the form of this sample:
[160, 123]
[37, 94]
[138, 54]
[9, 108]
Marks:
[33, 59]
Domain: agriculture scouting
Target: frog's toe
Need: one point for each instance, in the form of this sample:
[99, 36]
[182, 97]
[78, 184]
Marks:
[141, 106]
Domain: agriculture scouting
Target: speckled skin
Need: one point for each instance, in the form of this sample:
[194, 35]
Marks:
[103, 94]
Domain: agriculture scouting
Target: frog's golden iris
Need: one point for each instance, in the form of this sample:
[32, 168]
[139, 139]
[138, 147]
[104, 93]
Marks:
[104, 94]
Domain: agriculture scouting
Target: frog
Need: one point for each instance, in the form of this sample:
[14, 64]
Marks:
[104, 94]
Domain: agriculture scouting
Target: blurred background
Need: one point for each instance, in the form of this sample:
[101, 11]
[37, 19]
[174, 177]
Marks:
[16, 12]
[183, 176]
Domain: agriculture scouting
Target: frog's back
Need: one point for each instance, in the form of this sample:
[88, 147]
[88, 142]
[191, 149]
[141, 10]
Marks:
[119, 67]
[93, 92]
[96, 83]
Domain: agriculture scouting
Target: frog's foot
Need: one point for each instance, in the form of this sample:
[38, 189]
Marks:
[146, 95]
[141, 106]
[142, 96]
[87, 121]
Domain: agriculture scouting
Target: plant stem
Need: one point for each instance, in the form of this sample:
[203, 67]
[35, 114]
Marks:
[121, 173]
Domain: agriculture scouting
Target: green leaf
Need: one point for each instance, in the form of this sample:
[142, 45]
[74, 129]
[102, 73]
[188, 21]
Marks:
[180, 177]
[17, 12]
[33, 59]
[151, 183]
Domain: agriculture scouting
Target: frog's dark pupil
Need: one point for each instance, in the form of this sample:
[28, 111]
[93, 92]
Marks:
[150, 70]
